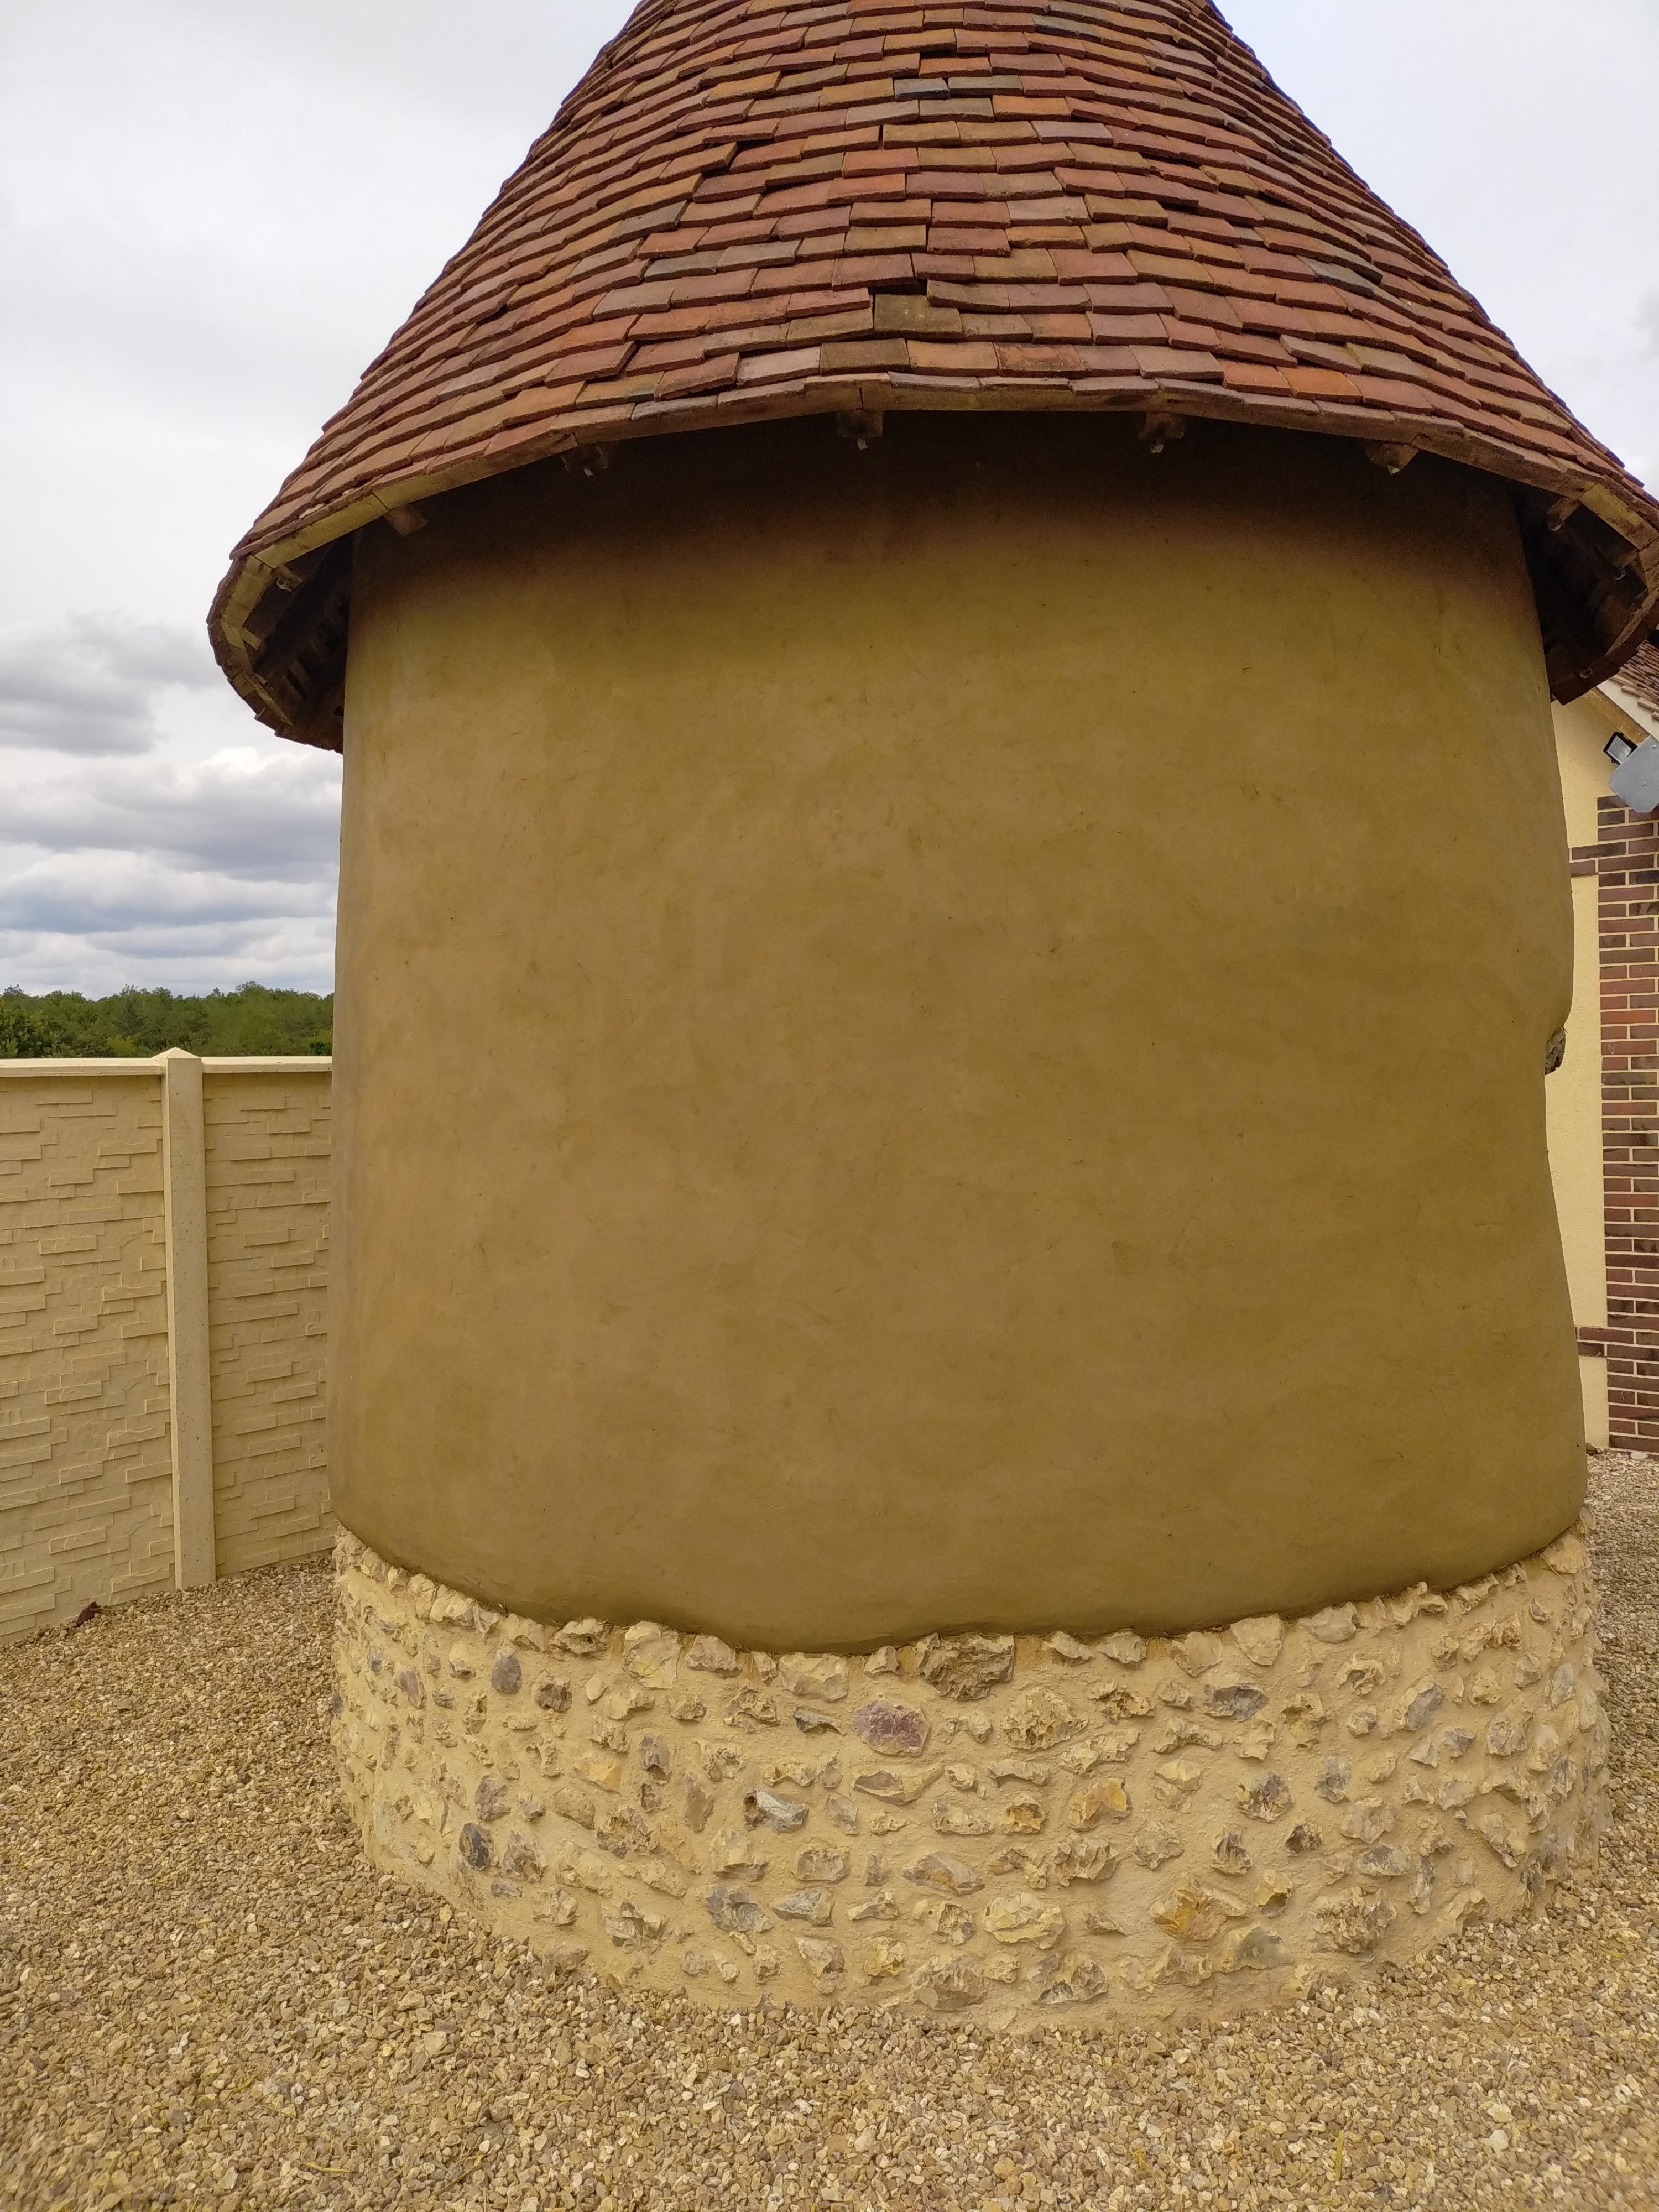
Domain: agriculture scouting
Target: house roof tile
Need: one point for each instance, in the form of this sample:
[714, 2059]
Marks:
[752, 207]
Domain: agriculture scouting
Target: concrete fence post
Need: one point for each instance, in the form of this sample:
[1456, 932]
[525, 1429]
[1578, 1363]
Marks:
[183, 1169]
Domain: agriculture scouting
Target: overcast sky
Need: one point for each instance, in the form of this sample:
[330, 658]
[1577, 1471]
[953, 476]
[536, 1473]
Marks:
[212, 213]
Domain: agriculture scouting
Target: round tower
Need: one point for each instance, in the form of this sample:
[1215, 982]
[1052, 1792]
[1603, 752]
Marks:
[952, 913]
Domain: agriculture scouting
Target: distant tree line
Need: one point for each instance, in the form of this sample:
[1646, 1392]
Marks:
[131, 1024]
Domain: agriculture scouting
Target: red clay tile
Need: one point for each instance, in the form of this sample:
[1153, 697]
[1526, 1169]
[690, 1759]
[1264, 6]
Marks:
[739, 188]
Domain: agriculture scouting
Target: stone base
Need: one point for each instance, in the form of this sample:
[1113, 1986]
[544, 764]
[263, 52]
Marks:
[1036, 1830]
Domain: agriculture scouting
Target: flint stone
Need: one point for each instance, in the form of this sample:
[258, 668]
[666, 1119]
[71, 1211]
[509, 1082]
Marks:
[1355, 1926]
[821, 1675]
[1195, 1654]
[937, 1870]
[811, 1723]
[751, 1709]
[1267, 1799]
[521, 1856]
[1039, 1719]
[950, 1984]
[1261, 1638]
[1337, 1623]
[474, 1846]
[410, 1683]
[1021, 1917]
[1176, 1781]
[629, 1924]
[1068, 1650]
[781, 1813]
[895, 1788]
[821, 1863]
[1233, 1700]
[699, 1803]
[1383, 1862]
[1423, 1704]
[1193, 1914]
[736, 1911]
[1076, 1859]
[553, 1694]
[1229, 1853]
[1368, 1821]
[1157, 1846]
[1252, 1948]
[813, 1905]
[1124, 1646]
[709, 1655]
[1334, 1778]
[573, 1805]
[729, 1854]
[882, 1960]
[821, 1956]
[900, 1731]
[507, 1675]
[583, 1639]
[1506, 1735]
[966, 1667]
[1077, 1980]
[879, 1907]
[1105, 1800]
[490, 1799]
[651, 1654]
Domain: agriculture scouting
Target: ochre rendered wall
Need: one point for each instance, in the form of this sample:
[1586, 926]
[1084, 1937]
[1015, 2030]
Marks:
[952, 1035]
[1573, 1093]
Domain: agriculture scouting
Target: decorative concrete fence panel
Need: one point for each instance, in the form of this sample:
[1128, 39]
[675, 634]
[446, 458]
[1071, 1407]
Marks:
[163, 1326]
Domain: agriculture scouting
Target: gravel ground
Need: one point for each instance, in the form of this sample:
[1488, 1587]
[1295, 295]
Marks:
[208, 1998]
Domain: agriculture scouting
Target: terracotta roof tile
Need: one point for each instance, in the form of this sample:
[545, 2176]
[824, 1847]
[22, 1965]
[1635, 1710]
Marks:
[1085, 204]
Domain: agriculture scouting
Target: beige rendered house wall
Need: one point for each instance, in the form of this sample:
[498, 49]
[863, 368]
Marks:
[1573, 1095]
[91, 1469]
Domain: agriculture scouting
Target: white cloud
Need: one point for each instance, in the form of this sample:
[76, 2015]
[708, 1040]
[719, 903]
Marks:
[187, 873]
[92, 683]
[261, 812]
[206, 232]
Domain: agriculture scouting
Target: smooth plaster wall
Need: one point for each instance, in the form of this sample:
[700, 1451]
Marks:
[992, 997]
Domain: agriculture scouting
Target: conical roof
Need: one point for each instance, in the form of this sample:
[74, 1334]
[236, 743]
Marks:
[753, 209]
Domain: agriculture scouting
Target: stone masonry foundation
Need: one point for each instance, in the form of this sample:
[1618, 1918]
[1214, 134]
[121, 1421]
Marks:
[1035, 1829]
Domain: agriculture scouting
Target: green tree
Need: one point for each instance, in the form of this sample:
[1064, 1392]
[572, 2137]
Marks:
[251, 1020]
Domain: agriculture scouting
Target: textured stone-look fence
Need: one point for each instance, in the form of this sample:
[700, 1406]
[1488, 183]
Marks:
[163, 1326]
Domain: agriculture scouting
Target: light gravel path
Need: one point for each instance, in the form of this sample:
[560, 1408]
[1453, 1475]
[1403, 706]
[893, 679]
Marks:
[207, 1998]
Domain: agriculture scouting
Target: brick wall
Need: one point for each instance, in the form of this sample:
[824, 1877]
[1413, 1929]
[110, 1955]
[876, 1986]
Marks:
[1625, 857]
[86, 1450]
